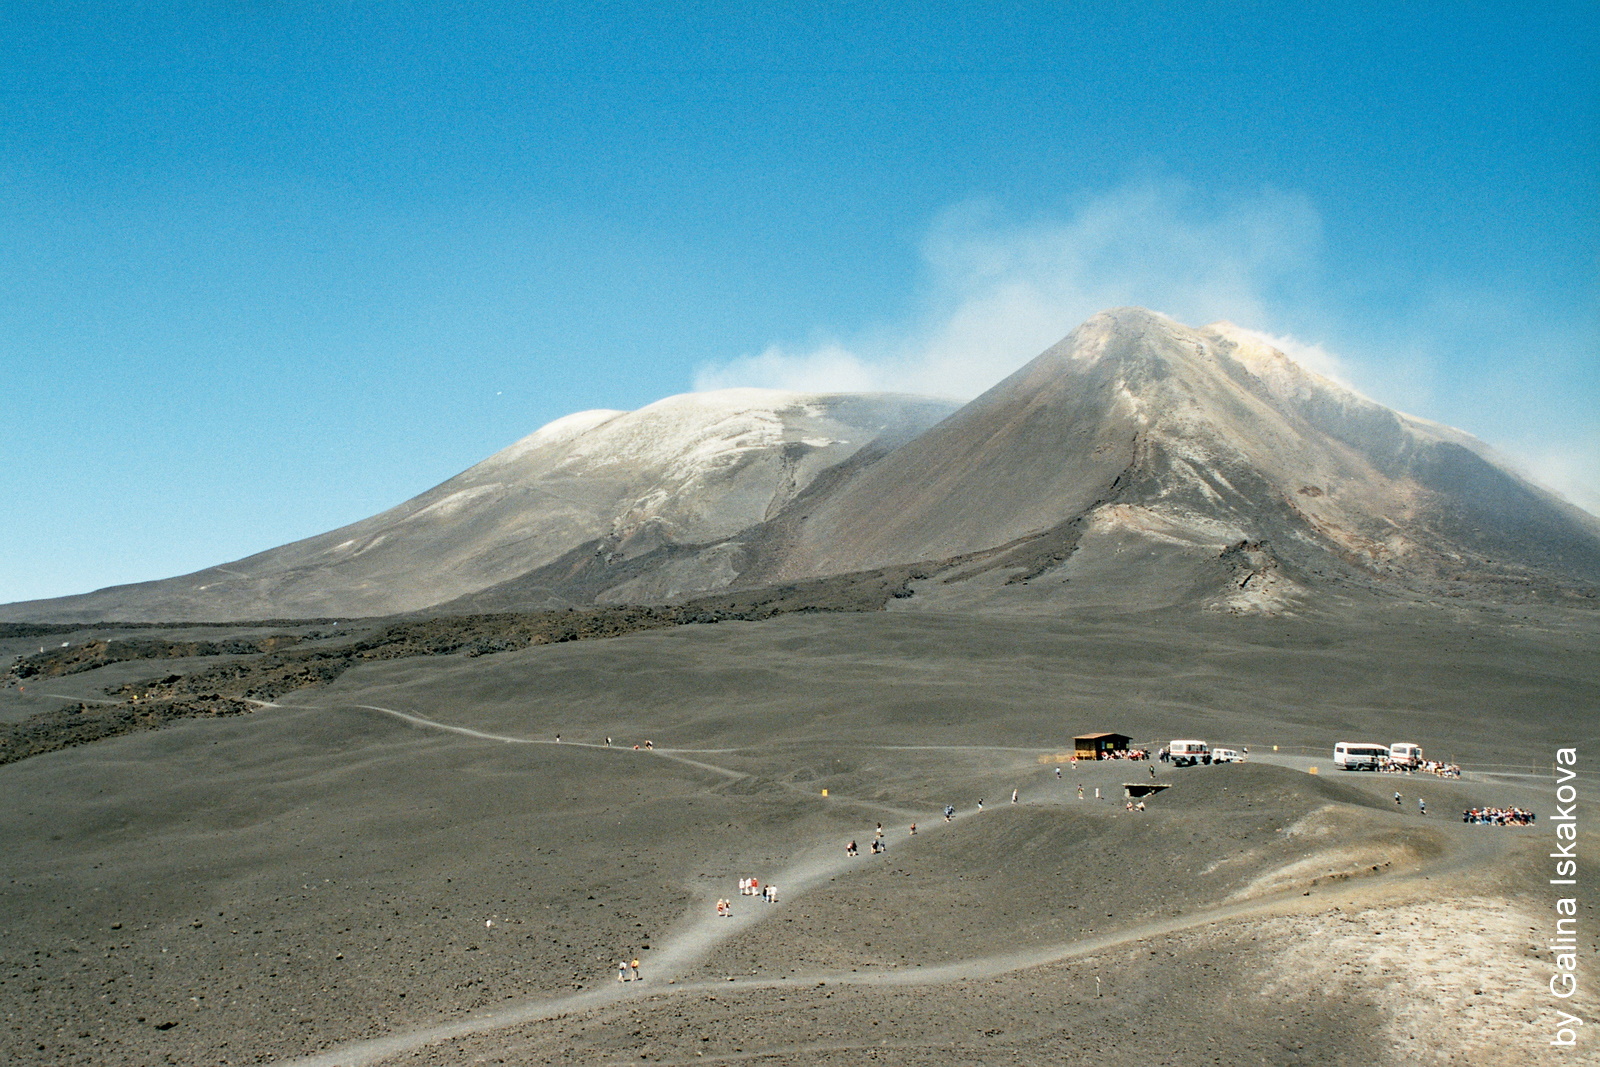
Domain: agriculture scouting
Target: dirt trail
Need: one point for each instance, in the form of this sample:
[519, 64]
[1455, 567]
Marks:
[702, 930]
[691, 944]
[674, 754]
[694, 939]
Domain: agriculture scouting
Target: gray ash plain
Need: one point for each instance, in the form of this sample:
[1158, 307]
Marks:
[293, 882]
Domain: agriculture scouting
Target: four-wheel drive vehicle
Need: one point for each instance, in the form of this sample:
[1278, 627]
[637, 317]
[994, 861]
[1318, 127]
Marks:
[1188, 753]
[1405, 754]
[1360, 756]
[1225, 755]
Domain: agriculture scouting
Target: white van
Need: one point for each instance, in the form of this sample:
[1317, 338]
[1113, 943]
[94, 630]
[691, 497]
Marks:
[1405, 754]
[1359, 755]
[1188, 753]
[1225, 755]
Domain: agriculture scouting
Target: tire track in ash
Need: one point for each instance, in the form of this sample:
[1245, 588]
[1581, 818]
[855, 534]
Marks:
[671, 753]
[482, 735]
[674, 754]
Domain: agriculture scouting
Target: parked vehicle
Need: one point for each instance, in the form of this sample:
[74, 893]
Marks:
[1359, 755]
[1225, 755]
[1405, 754]
[1188, 753]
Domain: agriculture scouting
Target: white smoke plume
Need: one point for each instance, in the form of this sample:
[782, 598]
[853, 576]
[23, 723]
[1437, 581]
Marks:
[998, 292]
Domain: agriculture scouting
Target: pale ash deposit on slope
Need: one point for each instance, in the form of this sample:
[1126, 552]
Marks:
[693, 468]
[1137, 463]
[690, 469]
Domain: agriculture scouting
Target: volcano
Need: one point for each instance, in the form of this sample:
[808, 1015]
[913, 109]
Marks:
[1137, 463]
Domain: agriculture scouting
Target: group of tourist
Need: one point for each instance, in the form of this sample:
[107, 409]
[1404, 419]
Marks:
[648, 744]
[1121, 753]
[1437, 768]
[1499, 816]
[749, 887]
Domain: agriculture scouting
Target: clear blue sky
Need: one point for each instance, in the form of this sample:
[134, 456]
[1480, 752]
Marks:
[270, 267]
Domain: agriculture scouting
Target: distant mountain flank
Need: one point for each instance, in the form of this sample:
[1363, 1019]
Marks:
[1137, 463]
[696, 469]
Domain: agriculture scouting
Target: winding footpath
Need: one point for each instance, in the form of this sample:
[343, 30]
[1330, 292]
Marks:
[703, 931]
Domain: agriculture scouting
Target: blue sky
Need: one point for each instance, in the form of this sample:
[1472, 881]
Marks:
[270, 267]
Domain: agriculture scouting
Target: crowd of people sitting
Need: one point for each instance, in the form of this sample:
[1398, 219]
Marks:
[1499, 816]
[1122, 753]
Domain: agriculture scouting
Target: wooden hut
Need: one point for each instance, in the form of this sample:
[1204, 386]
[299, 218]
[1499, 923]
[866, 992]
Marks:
[1089, 746]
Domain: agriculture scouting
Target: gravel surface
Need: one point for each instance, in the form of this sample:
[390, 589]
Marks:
[306, 878]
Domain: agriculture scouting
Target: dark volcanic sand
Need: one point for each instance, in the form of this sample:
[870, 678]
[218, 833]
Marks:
[248, 889]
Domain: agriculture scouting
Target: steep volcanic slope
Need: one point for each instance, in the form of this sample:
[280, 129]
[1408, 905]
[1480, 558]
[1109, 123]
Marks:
[1147, 461]
[693, 469]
